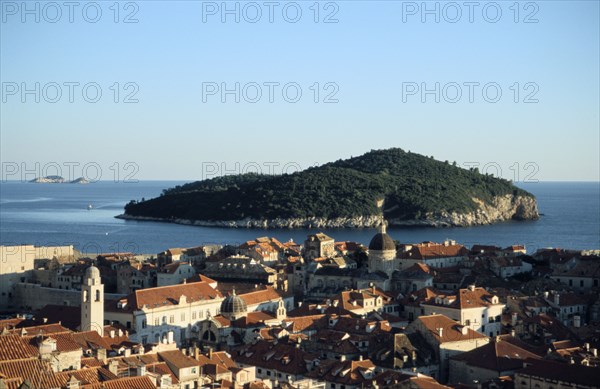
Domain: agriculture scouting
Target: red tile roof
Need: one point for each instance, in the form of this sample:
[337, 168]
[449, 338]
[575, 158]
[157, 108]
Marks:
[260, 296]
[452, 331]
[498, 355]
[170, 295]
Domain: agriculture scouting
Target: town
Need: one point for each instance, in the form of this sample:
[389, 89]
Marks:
[319, 314]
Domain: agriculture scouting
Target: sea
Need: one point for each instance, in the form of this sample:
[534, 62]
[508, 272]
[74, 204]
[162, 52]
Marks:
[84, 216]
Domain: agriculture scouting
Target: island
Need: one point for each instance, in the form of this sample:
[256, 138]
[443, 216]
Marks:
[58, 180]
[415, 190]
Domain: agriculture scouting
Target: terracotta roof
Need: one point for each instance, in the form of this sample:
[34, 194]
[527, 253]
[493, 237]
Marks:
[465, 299]
[39, 373]
[576, 374]
[124, 383]
[452, 331]
[10, 323]
[260, 296]
[425, 382]
[171, 268]
[498, 355]
[170, 295]
[43, 329]
[346, 372]
[430, 250]
[252, 319]
[281, 357]
[163, 369]
[305, 323]
[174, 251]
[176, 358]
[13, 347]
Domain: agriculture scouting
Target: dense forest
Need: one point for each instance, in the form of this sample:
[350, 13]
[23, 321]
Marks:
[410, 183]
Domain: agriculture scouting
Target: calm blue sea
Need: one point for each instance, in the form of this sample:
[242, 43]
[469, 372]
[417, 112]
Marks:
[57, 214]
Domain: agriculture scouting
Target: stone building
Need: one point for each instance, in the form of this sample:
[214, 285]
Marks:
[16, 262]
[92, 302]
[382, 253]
[319, 245]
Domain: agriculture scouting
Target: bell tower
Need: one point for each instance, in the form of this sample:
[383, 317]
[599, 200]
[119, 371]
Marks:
[92, 302]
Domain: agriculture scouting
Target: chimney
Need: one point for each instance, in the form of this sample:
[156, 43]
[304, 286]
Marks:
[113, 367]
[546, 294]
[360, 357]
[513, 319]
[440, 331]
[595, 352]
[556, 299]
[101, 355]
[472, 288]
[463, 330]
[513, 333]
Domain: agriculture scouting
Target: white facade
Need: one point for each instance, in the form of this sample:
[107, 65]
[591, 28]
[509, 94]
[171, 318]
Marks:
[92, 302]
[182, 272]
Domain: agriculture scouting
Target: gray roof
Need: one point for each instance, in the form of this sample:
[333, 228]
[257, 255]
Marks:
[382, 241]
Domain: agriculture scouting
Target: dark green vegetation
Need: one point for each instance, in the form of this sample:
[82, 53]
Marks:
[411, 184]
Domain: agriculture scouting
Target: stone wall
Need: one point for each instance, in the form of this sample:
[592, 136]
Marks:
[34, 296]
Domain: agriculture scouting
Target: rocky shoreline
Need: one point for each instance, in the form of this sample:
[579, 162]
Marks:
[503, 208]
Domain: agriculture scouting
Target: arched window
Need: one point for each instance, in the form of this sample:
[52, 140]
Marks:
[98, 295]
[85, 296]
[209, 336]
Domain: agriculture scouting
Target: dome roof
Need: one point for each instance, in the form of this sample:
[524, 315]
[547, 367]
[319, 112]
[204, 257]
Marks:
[92, 272]
[382, 242]
[233, 304]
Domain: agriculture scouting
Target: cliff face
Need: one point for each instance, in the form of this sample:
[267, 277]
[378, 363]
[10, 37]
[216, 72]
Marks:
[503, 208]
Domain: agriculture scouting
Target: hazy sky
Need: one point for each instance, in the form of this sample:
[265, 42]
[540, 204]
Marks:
[368, 60]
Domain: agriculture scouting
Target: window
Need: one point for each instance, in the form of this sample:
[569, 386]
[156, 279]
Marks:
[194, 315]
[164, 320]
[268, 373]
[156, 322]
[144, 323]
[259, 371]
[581, 283]
[144, 339]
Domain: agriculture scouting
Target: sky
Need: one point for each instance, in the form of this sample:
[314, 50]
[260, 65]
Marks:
[186, 90]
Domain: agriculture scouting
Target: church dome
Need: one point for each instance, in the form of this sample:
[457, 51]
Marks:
[92, 272]
[382, 242]
[234, 306]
